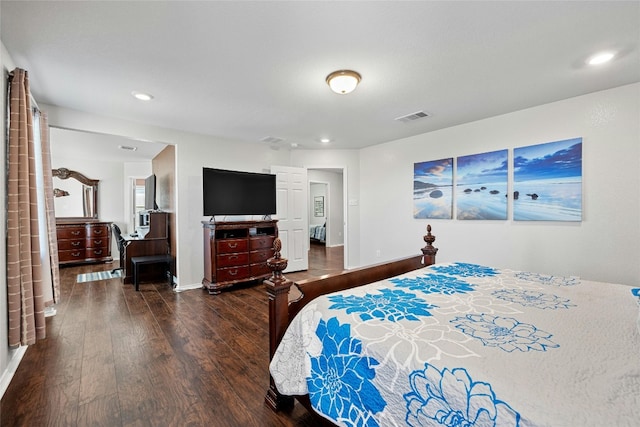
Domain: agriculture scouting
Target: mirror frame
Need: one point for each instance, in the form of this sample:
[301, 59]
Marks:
[64, 173]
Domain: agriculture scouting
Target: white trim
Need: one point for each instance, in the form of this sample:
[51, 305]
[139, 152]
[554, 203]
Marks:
[12, 367]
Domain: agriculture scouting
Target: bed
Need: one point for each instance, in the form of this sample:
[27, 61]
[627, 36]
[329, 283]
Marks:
[317, 233]
[414, 342]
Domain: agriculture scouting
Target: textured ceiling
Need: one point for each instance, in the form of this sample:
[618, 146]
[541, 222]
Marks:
[244, 71]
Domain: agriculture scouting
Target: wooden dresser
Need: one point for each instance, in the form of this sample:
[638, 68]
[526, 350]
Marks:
[236, 252]
[81, 242]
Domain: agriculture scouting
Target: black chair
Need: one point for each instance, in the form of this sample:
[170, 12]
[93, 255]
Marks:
[122, 243]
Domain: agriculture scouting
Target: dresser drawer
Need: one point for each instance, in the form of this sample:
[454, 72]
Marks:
[263, 242]
[98, 242]
[98, 231]
[232, 273]
[260, 256]
[71, 244]
[228, 246]
[72, 255]
[229, 260]
[258, 270]
[96, 252]
[71, 233]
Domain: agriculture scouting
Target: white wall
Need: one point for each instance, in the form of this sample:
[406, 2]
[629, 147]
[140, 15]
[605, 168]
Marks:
[605, 246]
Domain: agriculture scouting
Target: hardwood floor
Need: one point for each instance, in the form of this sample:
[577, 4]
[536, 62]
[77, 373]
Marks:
[116, 357]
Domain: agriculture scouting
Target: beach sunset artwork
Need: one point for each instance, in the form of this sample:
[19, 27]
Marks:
[481, 186]
[547, 181]
[433, 189]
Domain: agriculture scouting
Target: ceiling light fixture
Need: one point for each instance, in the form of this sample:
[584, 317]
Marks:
[343, 81]
[142, 96]
[127, 147]
[601, 58]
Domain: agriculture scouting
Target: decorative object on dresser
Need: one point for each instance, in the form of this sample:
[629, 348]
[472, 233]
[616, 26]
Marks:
[236, 252]
[82, 237]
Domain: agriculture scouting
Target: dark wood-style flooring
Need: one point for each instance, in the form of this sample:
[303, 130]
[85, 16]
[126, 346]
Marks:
[116, 357]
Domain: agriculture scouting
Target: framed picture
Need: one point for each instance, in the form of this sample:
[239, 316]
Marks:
[433, 188]
[547, 181]
[481, 186]
[318, 206]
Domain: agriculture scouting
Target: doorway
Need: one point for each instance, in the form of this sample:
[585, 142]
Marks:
[327, 225]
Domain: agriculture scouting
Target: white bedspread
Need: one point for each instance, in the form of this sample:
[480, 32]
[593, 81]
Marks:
[461, 344]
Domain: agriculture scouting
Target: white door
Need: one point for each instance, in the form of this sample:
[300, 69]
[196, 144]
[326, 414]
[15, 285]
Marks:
[293, 219]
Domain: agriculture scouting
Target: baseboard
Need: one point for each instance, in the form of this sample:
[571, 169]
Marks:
[179, 288]
[12, 367]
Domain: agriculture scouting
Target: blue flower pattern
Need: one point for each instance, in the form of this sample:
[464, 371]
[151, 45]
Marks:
[505, 333]
[434, 284]
[465, 270]
[340, 384]
[451, 398]
[392, 305]
[536, 299]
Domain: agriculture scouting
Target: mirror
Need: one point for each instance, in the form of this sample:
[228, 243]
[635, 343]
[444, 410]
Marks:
[75, 196]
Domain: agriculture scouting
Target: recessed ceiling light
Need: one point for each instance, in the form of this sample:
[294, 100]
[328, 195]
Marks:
[142, 96]
[601, 58]
[325, 140]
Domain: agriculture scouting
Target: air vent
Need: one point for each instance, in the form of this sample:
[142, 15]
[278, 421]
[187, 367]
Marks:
[271, 139]
[127, 147]
[412, 117]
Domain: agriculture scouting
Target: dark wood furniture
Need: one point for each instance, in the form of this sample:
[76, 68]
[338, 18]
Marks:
[155, 242]
[138, 261]
[287, 298]
[236, 252]
[83, 241]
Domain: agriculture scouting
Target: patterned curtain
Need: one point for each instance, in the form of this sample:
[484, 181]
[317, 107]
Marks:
[26, 303]
[54, 296]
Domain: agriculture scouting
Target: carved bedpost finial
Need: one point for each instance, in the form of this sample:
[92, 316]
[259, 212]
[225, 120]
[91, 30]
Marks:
[277, 264]
[429, 251]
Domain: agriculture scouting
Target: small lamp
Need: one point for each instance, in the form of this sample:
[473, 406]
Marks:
[343, 81]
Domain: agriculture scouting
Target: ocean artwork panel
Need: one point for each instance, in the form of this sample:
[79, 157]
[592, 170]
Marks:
[547, 181]
[433, 189]
[481, 186]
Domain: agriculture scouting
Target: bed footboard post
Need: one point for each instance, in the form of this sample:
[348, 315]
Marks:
[429, 251]
[278, 292]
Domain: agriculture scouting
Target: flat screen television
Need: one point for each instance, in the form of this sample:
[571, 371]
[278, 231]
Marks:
[227, 192]
[150, 193]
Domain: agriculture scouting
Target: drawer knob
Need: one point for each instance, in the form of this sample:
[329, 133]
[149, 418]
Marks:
[97, 231]
[233, 272]
[98, 242]
[232, 245]
[98, 252]
[75, 233]
[75, 244]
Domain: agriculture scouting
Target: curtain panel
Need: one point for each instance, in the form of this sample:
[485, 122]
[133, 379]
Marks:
[24, 269]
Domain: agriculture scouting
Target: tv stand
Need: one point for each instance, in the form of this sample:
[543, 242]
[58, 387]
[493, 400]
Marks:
[236, 252]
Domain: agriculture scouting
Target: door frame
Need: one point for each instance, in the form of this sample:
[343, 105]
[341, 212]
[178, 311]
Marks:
[345, 205]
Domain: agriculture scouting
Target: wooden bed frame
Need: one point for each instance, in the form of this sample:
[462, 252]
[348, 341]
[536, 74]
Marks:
[285, 302]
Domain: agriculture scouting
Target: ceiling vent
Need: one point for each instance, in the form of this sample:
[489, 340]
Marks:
[412, 117]
[271, 139]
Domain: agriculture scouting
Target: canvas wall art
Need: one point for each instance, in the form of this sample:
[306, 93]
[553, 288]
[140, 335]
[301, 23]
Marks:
[481, 186]
[433, 189]
[547, 181]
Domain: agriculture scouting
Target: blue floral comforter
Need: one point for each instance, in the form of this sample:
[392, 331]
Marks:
[466, 345]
